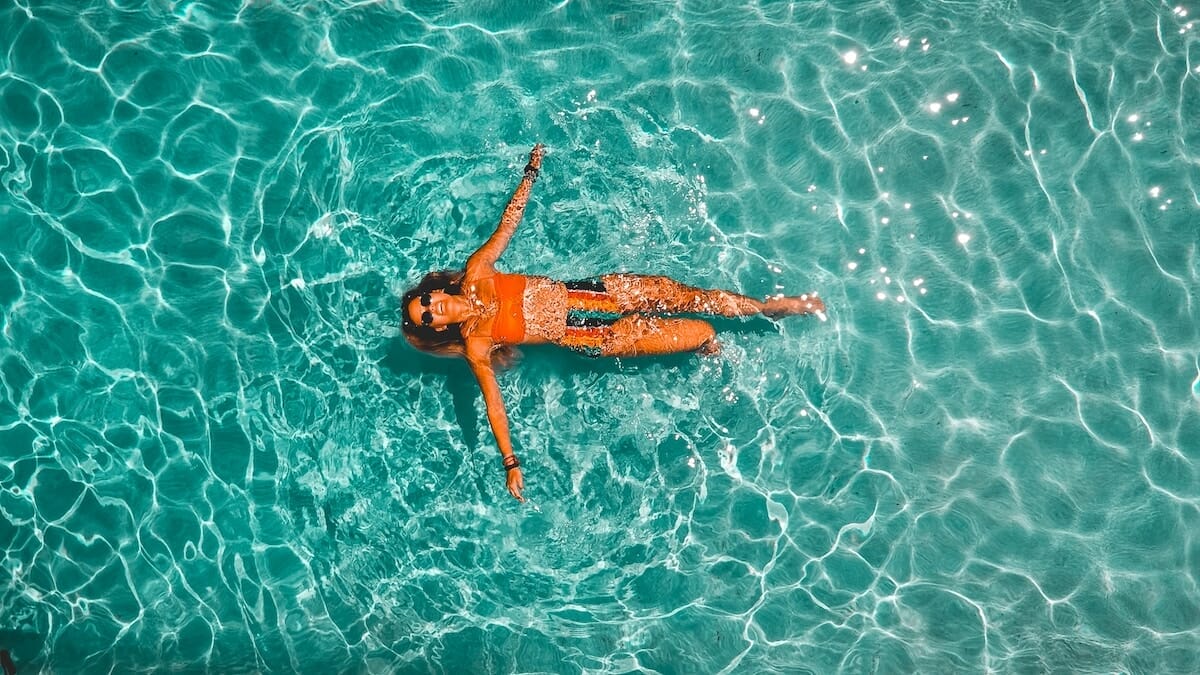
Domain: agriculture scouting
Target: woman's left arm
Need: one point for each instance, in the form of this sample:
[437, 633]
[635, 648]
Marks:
[481, 262]
[479, 357]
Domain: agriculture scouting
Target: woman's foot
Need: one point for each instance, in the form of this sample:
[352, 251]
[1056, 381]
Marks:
[780, 306]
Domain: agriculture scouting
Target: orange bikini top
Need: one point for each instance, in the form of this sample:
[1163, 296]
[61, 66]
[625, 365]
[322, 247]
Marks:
[509, 327]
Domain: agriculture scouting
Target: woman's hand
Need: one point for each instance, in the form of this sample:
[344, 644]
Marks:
[516, 483]
[535, 162]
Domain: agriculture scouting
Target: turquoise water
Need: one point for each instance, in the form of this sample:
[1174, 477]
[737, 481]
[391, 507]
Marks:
[217, 454]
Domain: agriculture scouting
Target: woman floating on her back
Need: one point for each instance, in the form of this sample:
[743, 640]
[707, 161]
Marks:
[478, 312]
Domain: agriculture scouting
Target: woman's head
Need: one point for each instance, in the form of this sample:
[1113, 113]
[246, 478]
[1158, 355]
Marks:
[416, 308]
[422, 324]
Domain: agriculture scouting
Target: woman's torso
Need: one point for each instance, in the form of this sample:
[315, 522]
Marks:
[518, 309]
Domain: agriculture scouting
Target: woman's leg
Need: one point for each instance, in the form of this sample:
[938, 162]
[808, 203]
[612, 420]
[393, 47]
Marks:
[663, 295]
[637, 335]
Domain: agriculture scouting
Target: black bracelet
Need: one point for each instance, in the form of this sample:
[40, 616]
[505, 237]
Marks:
[531, 172]
[511, 462]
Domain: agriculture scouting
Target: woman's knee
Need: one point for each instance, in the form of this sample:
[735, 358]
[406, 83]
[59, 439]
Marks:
[704, 332]
[693, 335]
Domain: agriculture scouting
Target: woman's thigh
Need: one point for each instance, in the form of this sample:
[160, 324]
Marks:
[647, 293]
[638, 335]
[663, 295]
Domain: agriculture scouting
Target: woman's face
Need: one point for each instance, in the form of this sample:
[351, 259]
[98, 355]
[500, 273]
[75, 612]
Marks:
[435, 309]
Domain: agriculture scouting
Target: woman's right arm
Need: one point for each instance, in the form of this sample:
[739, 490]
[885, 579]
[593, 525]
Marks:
[479, 357]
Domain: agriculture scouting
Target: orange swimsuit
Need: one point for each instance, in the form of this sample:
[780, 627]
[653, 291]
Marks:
[573, 314]
[509, 327]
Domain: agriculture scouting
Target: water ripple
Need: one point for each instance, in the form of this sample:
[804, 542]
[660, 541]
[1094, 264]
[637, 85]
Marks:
[218, 454]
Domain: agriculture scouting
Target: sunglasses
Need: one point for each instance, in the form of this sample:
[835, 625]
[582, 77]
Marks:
[426, 316]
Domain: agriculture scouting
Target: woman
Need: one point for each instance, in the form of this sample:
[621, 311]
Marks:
[479, 313]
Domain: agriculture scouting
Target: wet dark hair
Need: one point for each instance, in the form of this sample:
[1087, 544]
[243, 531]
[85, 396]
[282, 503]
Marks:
[447, 342]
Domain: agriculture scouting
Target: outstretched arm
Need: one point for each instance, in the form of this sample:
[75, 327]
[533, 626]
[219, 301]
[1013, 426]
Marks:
[480, 361]
[481, 262]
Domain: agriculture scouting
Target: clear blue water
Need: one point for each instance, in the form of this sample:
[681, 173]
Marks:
[216, 453]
